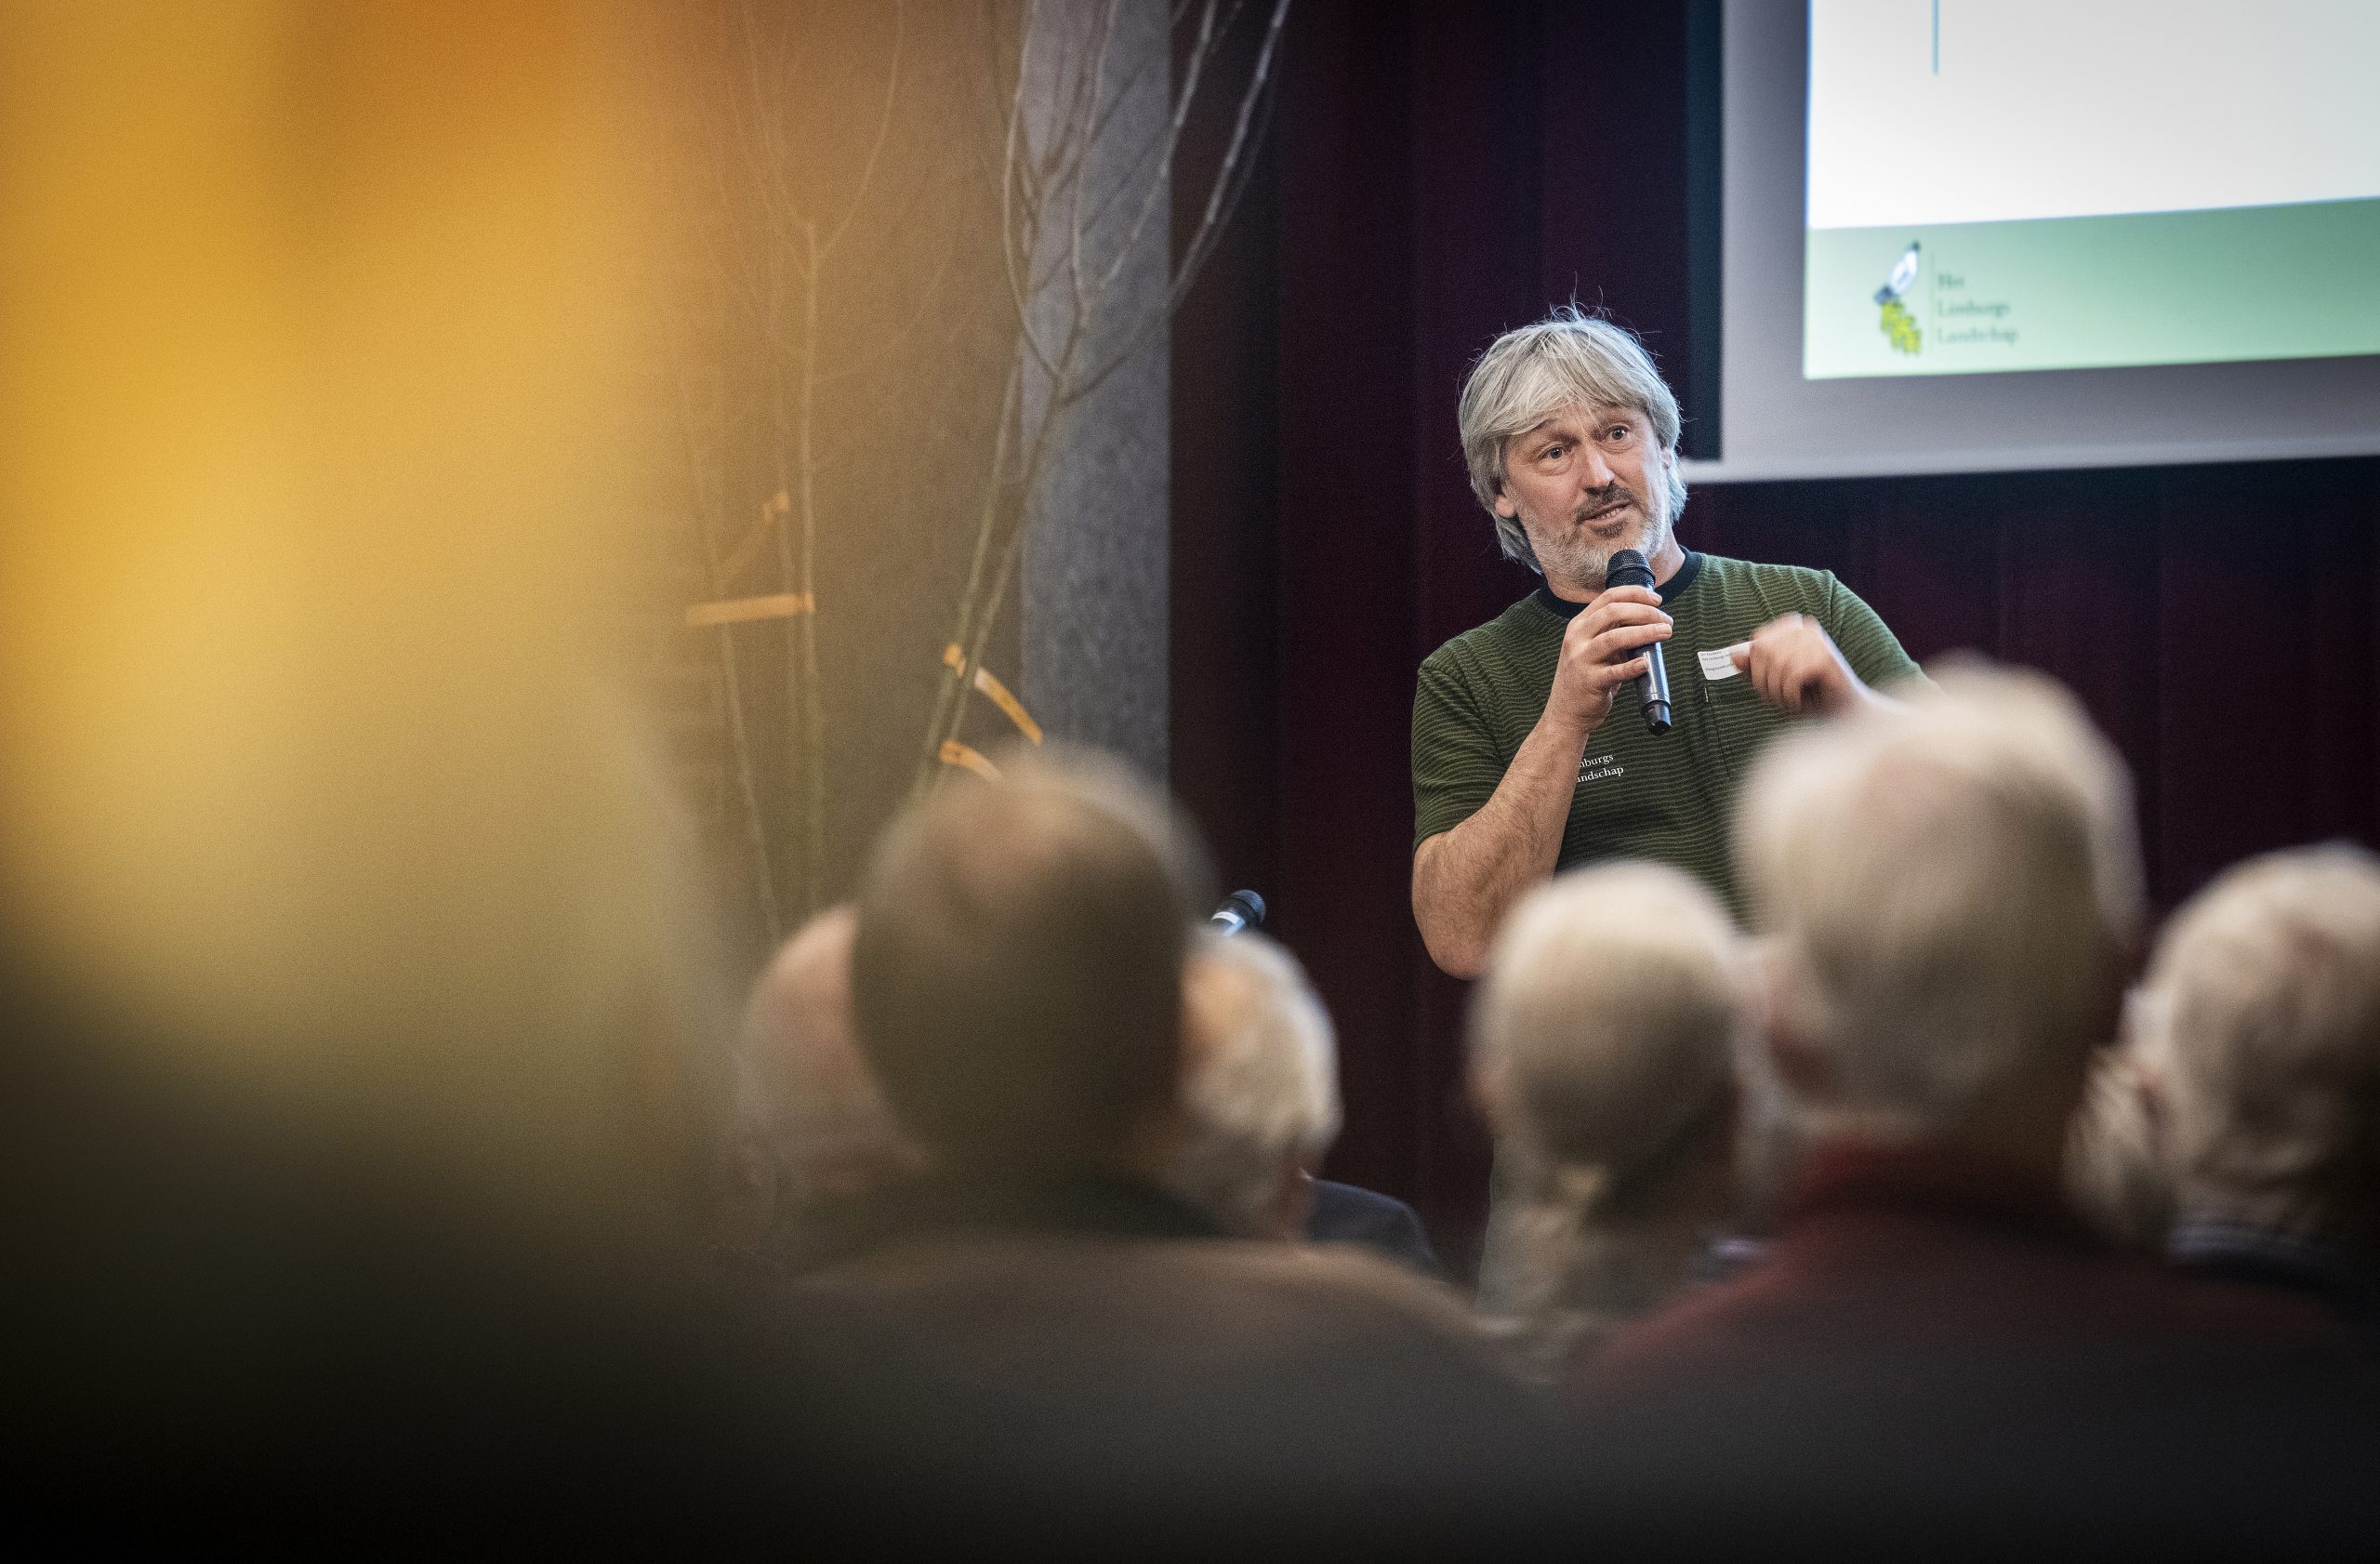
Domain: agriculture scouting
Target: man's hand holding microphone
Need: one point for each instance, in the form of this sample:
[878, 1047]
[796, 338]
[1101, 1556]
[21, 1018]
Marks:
[1791, 661]
[1603, 648]
[1465, 879]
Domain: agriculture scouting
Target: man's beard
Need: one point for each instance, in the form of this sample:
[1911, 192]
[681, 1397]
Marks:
[1583, 558]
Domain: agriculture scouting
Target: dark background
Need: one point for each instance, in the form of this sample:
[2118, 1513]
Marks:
[1437, 172]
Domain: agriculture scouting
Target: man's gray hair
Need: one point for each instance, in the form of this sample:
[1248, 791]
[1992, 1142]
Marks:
[1569, 359]
[2262, 1027]
[1261, 1085]
[1609, 1015]
[1949, 892]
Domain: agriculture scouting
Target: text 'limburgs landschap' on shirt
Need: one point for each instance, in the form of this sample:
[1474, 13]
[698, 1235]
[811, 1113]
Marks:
[1598, 767]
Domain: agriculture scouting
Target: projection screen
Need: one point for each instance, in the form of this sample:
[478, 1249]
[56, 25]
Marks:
[1966, 235]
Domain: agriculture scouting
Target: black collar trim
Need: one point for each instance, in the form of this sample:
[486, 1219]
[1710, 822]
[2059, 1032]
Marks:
[1671, 589]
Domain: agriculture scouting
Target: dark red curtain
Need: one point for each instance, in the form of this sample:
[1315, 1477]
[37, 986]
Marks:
[1437, 172]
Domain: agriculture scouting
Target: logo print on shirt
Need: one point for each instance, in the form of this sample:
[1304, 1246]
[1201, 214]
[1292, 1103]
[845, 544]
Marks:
[1599, 766]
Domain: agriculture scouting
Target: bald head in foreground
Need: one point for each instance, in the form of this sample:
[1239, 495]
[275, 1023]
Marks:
[1088, 1353]
[832, 1145]
[1016, 972]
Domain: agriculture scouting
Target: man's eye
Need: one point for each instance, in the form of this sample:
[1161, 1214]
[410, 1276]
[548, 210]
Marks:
[1554, 453]
[1617, 433]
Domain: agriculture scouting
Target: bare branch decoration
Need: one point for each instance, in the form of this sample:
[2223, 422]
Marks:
[1047, 175]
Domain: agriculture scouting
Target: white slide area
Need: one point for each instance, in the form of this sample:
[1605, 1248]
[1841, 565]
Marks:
[1929, 112]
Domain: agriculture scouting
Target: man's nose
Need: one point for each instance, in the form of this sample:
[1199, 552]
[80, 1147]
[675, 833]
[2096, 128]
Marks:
[1595, 472]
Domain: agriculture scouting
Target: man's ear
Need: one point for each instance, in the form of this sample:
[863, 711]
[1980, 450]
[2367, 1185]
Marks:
[1803, 1070]
[1504, 506]
[1489, 1084]
[1166, 1130]
[744, 1202]
[2144, 1074]
[1806, 1072]
[1292, 1201]
[2119, 979]
[2150, 1093]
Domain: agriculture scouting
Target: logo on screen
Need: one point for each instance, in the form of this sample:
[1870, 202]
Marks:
[1893, 320]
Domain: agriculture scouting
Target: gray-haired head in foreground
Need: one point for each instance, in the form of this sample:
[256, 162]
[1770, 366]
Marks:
[1950, 892]
[1261, 1086]
[1608, 1020]
[1603, 1045]
[2261, 1024]
[1569, 359]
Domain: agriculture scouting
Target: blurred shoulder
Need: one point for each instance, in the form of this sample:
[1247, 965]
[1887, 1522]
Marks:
[1347, 1213]
[1238, 1297]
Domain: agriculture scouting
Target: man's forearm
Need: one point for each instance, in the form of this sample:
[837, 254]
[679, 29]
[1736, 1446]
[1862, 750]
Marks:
[1465, 880]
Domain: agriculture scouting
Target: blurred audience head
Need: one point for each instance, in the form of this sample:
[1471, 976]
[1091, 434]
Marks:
[315, 572]
[1260, 1086]
[1603, 1047]
[1606, 1024]
[1966, 999]
[2115, 1173]
[828, 1133]
[1016, 969]
[2260, 1032]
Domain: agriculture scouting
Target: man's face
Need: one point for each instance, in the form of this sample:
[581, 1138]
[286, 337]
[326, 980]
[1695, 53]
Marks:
[1585, 484]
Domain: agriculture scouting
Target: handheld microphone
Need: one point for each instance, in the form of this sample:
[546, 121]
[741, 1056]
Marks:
[1628, 569]
[1241, 911]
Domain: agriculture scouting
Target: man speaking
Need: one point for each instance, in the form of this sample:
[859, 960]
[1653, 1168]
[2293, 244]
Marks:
[1532, 750]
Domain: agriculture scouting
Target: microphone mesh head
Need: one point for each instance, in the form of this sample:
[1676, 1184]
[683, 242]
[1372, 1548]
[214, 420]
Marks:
[1628, 569]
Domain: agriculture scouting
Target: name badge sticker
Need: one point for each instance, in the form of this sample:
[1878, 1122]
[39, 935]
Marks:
[1717, 665]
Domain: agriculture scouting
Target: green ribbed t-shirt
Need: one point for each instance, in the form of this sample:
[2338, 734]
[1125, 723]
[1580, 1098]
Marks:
[1670, 798]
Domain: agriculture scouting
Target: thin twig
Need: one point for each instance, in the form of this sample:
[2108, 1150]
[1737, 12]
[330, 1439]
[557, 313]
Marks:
[892, 341]
[732, 673]
[1103, 39]
[884, 125]
[1149, 62]
[1231, 180]
[1212, 34]
[814, 717]
[950, 689]
[1034, 178]
[1019, 288]
[763, 147]
[1209, 220]
[1160, 183]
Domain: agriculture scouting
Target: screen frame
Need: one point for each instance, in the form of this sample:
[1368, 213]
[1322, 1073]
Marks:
[1771, 423]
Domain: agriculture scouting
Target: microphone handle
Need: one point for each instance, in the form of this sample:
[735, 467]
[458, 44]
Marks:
[1629, 568]
[1653, 689]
